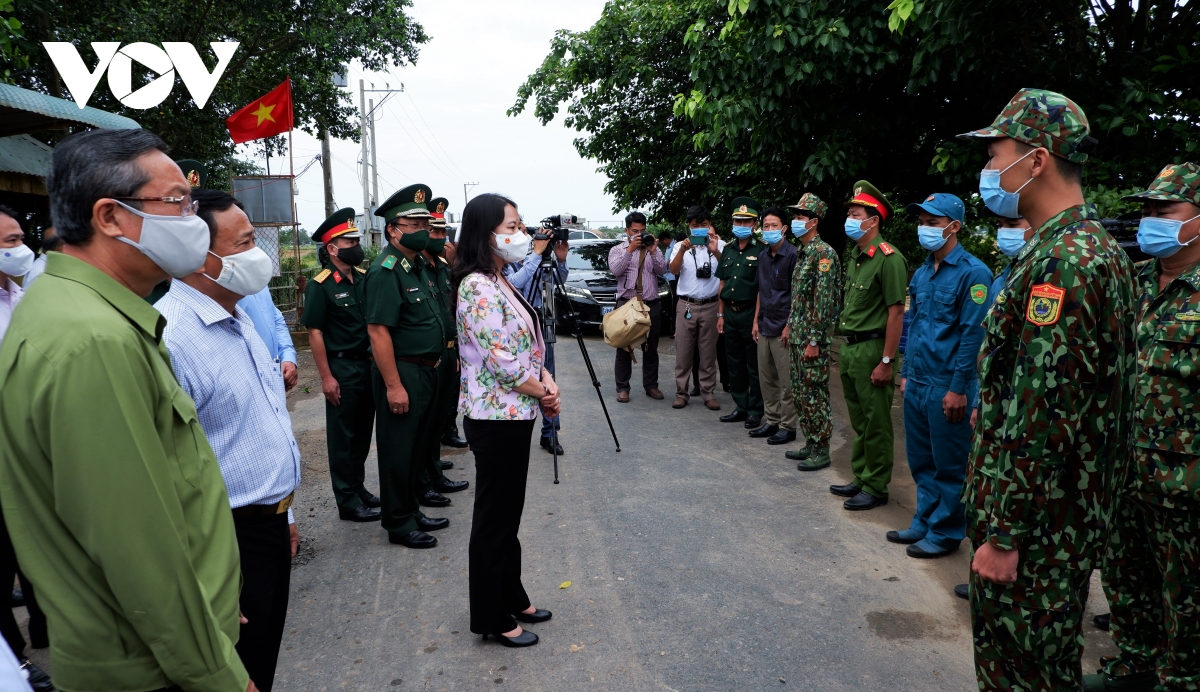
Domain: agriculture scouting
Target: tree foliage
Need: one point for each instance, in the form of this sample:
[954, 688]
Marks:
[308, 40]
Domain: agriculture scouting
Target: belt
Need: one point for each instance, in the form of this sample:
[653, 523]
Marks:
[265, 510]
[858, 337]
[738, 307]
[427, 362]
[452, 343]
[356, 354]
[700, 301]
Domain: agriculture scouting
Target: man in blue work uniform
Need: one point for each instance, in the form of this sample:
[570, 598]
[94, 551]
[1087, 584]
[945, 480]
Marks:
[948, 299]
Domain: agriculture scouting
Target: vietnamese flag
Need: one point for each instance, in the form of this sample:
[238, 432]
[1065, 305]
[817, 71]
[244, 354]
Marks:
[268, 116]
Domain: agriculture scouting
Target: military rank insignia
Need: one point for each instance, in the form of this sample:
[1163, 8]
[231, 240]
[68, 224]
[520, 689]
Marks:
[1189, 316]
[1045, 303]
[887, 249]
[824, 265]
[324, 274]
[389, 262]
[979, 293]
[404, 263]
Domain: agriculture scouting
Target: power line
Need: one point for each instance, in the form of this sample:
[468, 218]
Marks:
[419, 147]
[431, 134]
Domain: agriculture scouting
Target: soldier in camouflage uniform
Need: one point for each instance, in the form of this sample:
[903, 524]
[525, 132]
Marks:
[1152, 570]
[1055, 375]
[816, 299]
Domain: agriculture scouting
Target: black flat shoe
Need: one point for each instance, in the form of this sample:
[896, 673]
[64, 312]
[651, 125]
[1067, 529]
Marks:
[525, 638]
[963, 591]
[370, 500]
[549, 447]
[18, 598]
[538, 615]
[360, 513]
[764, 430]
[432, 524]
[446, 465]
[848, 490]
[432, 498]
[918, 551]
[735, 417]
[452, 486]
[900, 537]
[1102, 621]
[782, 437]
[865, 500]
[413, 539]
[454, 441]
[695, 391]
[753, 422]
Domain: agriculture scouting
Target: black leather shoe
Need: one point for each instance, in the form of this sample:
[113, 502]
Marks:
[546, 445]
[413, 539]
[370, 500]
[766, 430]
[901, 537]
[432, 498]
[963, 591]
[18, 598]
[432, 524]
[446, 464]
[538, 615]
[1102, 621]
[753, 422]
[361, 513]
[525, 638]
[848, 490]
[725, 386]
[454, 441]
[864, 500]
[38, 680]
[782, 437]
[918, 551]
[735, 417]
[695, 391]
[452, 486]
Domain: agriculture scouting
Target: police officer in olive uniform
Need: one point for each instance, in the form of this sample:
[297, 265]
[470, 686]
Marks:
[738, 273]
[334, 307]
[408, 339]
[872, 319]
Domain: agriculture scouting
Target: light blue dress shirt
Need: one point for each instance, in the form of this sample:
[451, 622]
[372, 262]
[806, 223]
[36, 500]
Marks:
[223, 364]
[520, 274]
[270, 325]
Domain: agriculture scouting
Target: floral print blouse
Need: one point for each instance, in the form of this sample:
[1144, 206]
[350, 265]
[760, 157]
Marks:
[498, 349]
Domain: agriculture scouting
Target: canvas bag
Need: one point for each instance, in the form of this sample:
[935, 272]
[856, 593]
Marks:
[629, 325]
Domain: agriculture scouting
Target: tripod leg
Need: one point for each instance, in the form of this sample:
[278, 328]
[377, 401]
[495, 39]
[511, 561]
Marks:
[554, 449]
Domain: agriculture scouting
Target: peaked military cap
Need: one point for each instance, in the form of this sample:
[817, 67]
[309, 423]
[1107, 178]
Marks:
[437, 210]
[867, 195]
[811, 204]
[745, 208]
[194, 171]
[1178, 182]
[1041, 118]
[340, 224]
[407, 203]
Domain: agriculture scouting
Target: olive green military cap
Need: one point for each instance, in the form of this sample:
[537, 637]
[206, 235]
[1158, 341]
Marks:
[867, 195]
[340, 224]
[194, 171]
[1042, 118]
[811, 204]
[1178, 182]
[437, 211]
[745, 208]
[406, 203]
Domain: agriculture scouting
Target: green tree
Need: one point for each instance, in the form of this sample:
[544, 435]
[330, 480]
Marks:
[307, 41]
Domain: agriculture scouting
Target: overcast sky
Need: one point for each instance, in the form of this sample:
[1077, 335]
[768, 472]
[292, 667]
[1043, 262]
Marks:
[450, 127]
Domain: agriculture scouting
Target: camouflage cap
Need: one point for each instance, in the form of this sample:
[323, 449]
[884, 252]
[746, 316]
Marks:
[810, 203]
[1178, 182]
[1041, 118]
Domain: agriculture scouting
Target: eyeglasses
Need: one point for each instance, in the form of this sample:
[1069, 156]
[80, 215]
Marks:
[187, 206]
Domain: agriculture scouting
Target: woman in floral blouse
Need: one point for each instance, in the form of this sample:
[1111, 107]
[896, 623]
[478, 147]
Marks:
[501, 352]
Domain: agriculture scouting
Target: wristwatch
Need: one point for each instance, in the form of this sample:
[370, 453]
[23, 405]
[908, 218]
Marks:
[720, 314]
[886, 360]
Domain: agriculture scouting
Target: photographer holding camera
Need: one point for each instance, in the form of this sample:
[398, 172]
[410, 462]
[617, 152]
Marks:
[638, 256]
[695, 261]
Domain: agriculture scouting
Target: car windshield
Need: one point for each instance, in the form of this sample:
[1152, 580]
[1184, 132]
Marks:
[589, 257]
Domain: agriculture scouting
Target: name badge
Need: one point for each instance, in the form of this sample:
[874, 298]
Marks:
[414, 288]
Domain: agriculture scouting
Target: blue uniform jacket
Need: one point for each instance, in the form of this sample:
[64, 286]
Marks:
[946, 327]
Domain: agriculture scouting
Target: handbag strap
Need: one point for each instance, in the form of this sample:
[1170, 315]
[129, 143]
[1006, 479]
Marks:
[638, 284]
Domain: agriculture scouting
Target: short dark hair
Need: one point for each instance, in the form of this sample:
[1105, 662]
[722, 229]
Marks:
[7, 211]
[52, 244]
[778, 212]
[213, 202]
[93, 165]
[473, 253]
[698, 214]
[664, 235]
[634, 217]
[1069, 170]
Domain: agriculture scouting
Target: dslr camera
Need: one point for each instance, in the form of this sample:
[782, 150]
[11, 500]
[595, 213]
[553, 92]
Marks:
[555, 228]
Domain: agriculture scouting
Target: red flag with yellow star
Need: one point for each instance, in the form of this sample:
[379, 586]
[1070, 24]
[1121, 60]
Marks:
[268, 116]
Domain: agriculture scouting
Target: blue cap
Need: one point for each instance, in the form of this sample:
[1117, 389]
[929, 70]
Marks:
[940, 204]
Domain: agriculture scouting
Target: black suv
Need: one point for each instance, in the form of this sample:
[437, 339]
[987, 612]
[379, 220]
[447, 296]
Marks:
[591, 287]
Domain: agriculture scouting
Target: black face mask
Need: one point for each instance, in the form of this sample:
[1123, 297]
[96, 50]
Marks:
[352, 256]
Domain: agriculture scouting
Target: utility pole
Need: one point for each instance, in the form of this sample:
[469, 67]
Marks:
[466, 187]
[327, 173]
[374, 155]
[368, 122]
[362, 137]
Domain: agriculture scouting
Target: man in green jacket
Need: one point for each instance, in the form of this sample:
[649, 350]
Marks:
[112, 495]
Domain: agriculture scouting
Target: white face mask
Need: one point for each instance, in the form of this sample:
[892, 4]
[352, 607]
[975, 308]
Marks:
[177, 244]
[513, 247]
[16, 261]
[245, 273]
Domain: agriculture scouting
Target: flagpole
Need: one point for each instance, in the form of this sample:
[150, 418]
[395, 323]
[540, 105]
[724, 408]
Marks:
[295, 225]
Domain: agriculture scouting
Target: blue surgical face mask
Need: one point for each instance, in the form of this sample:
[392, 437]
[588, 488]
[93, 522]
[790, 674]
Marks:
[1159, 237]
[854, 228]
[996, 198]
[772, 237]
[1011, 240]
[742, 232]
[799, 228]
[931, 237]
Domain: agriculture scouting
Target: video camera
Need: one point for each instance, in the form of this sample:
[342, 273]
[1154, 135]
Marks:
[556, 228]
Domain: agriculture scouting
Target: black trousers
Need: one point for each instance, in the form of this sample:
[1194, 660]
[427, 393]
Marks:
[9, 628]
[623, 370]
[266, 550]
[501, 449]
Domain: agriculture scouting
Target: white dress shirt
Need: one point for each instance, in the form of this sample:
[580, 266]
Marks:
[689, 285]
[38, 268]
[221, 361]
[10, 295]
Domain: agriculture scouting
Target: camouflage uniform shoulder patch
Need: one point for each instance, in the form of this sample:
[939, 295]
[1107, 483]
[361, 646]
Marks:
[1045, 304]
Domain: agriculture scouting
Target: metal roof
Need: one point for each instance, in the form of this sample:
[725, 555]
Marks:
[24, 154]
[22, 110]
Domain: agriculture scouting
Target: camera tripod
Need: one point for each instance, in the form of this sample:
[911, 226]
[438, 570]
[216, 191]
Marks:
[547, 276]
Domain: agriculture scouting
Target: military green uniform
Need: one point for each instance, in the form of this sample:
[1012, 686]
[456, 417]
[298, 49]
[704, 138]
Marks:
[335, 303]
[816, 300]
[738, 272]
[1054, 377]
[447, 401]
[1152, 568]
[437, 212]
[401, 296]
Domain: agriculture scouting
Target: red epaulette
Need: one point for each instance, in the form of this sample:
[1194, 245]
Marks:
[887, 249]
